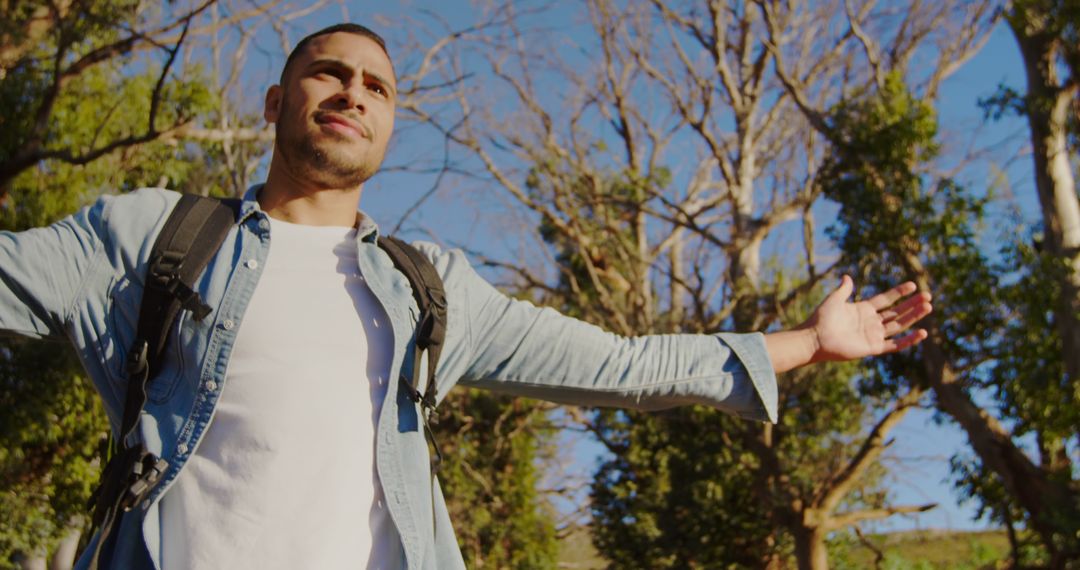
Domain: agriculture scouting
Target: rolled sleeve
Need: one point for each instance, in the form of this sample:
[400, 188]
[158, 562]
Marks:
[758, 396]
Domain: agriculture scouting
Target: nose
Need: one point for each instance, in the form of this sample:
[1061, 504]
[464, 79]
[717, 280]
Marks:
[351, 96]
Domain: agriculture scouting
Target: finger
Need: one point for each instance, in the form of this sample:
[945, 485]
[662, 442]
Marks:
[907, 314]
[905, 320]
[888, 298]
[912, 302]
[907, 341]
[842, 292]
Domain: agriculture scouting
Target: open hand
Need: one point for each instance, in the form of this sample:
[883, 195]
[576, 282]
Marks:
[845, 331]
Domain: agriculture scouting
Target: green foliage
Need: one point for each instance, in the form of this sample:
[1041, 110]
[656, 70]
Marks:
[919, 549]
[49, 435]
[600, 260]
[1030, 388]
[994, 320]
[24, 87]
[1029, 377]
[1005, 102]
[894, 222]
[52, 422]
[85, 83]
[99, 105]
[677, 493]
[490, 476]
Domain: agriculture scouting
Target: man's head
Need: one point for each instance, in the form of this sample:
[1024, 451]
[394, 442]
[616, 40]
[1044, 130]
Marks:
[334, 108]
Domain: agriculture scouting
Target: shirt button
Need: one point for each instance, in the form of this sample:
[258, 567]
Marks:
[211, 385]
[228, 324]
[181, 449]
[252, 264]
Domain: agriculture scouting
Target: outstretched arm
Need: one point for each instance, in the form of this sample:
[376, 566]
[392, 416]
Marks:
[841, 330]
[42, 270]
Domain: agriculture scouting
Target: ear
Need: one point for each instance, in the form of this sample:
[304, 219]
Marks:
[272, 106]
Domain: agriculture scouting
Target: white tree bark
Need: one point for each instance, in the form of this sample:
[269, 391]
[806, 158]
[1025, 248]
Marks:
[64, 556]
[1048, 107]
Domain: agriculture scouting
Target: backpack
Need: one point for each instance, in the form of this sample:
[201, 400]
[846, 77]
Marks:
[191, 236]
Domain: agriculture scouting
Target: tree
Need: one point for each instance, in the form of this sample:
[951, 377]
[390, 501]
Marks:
[54, 424]
[1036, 363]
[491, 447]
[1040, 495]
[894, 215]
[49, 438]
[46, 48]
[658, 157]
[1034, 392]
[1047, 32]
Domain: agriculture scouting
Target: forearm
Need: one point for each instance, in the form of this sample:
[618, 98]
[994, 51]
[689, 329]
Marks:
[791, 348]
[42, 270]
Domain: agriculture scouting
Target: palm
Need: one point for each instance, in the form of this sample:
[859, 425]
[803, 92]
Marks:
[846, 330]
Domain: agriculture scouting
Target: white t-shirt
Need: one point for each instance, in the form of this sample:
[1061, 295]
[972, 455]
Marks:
[285, 475]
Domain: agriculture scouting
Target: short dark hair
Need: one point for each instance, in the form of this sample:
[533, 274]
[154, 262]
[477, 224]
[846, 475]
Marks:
[346, 27]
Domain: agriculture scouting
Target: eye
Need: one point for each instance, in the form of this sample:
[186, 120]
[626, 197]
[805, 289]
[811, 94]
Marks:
[329, 73]
[378, 88]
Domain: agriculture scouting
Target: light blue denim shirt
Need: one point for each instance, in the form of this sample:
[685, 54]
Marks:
[82, 278]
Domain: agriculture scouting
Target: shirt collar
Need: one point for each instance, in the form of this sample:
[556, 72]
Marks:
[248, 204]
[366, 228]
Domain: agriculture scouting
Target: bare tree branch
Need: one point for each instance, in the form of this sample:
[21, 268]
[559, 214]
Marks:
[846, 519]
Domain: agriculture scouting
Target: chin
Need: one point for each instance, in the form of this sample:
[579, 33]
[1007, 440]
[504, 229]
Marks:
[331, 162]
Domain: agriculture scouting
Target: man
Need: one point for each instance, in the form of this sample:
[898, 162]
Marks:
[290, 440]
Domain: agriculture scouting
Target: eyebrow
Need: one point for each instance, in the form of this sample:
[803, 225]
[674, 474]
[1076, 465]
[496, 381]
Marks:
[341, 64]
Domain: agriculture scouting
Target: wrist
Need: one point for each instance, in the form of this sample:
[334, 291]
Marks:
[792, 348]
[813, 341]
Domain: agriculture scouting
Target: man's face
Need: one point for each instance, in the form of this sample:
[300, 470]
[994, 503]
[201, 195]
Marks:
[334, 111]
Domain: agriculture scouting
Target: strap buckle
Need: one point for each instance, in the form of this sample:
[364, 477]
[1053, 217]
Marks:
[128, 478]
[164, 274]
[146, 471]
[164, 269]
[426, 401]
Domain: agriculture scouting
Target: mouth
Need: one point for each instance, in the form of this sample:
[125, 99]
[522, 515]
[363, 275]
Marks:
[342, 124]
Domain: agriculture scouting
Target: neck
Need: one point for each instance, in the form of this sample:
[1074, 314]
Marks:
[286, 197]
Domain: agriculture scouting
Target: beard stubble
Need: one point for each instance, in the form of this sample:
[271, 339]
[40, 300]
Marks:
[323, 162]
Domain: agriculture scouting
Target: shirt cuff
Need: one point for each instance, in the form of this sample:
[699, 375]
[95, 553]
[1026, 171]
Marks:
[762, 400]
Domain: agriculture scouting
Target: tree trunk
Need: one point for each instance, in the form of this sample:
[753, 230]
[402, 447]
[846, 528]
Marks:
[1037, 493]
[810, 548]
[29, 562]
[1047, 107]
[1034, 491]
[64, 556]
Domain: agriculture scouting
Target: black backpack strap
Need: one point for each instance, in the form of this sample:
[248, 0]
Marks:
[427, 288]
[190, 237]
[430, 297]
